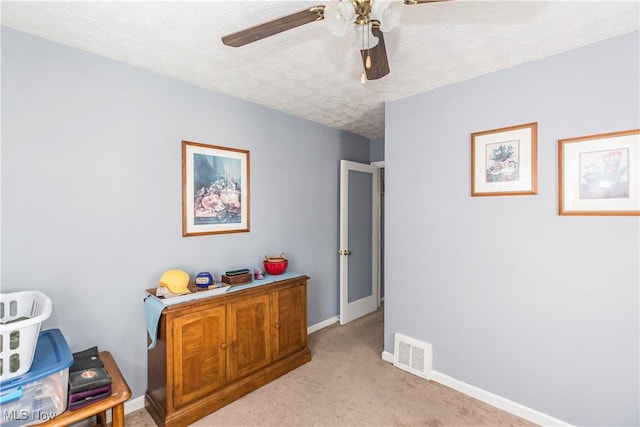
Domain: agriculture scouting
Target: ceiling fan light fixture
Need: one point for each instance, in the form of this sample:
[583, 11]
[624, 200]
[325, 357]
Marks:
[390, 16]
[378, 8]
[347, 10]
[335, 19]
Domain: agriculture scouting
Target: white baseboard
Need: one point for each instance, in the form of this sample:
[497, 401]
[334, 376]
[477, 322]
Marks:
[314, 328]
[498, 401]
[133, 404]
[490, 398]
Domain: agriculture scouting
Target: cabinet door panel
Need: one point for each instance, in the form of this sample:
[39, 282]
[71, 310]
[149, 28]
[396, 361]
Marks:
[249, 335]
[199, 354]
[289, 321]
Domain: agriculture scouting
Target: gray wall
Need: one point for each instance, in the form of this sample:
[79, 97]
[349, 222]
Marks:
[376, 149]
[91, 191]
[538, 308]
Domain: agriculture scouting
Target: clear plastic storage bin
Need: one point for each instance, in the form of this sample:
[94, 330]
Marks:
[41, 394]
[21, 315]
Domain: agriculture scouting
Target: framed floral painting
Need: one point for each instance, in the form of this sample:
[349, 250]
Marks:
[215, 189]
[504, 162]
[600, 174]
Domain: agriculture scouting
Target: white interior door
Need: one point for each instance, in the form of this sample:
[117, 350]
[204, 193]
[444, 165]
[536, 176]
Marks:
[358, 240]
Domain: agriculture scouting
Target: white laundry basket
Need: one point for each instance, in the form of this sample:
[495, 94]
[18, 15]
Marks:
[21, 315]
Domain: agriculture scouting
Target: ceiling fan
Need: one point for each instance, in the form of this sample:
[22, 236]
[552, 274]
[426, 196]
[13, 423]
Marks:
[371, 19]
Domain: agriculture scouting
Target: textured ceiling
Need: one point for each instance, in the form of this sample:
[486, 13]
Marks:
[307, 71]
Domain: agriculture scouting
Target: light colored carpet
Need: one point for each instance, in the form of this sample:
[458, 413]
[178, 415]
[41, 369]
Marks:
[348, 384]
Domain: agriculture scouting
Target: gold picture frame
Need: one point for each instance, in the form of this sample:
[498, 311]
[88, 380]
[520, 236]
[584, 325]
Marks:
[504, 162]
[600, 174]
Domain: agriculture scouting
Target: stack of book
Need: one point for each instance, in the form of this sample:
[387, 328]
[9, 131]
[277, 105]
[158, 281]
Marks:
[89, 381]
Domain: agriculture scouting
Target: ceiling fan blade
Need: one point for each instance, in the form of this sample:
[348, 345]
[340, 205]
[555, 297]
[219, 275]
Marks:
[410, 2]
[378, 53]
[274, 26]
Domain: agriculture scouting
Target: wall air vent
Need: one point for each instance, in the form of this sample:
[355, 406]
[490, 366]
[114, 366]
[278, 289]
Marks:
[412, 356]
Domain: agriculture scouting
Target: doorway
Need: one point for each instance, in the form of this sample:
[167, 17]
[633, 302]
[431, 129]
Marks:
[360, 250]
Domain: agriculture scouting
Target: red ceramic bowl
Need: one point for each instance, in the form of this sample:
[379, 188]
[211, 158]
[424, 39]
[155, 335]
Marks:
[276, 267]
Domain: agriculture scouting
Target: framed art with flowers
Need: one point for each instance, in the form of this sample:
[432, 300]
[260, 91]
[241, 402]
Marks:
[600, 174]
[215, 189]
[504, 162]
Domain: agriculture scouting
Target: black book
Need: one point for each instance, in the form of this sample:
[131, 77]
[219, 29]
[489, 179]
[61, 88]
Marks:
[83, 395]
[90, 352]
[83, 399]
[88, 379]
[86, 359]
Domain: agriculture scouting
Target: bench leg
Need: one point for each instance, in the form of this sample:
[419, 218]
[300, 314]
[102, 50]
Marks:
[117, 415]
[102, 418]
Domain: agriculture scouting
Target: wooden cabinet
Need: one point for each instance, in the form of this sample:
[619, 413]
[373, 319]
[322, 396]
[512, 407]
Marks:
[212, 351]
[199, 366]
[289, 314]
[249, 335]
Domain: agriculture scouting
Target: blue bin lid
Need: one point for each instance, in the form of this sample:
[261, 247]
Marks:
[52, 354]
